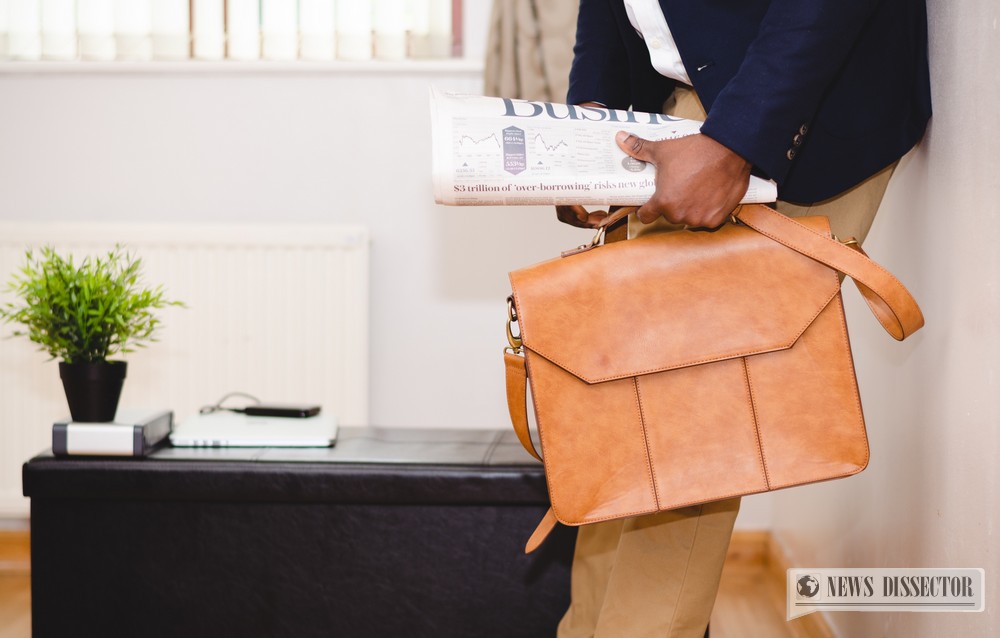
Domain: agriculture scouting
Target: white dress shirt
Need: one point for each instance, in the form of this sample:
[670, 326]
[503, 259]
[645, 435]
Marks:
[647, 18]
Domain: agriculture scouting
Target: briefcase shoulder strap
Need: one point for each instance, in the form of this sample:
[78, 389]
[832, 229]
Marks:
[890, 301]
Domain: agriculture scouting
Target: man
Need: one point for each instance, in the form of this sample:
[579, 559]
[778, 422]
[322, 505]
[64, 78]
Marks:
[824, 97]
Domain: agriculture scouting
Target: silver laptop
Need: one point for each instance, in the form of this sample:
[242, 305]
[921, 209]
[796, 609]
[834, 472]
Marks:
[229, 429]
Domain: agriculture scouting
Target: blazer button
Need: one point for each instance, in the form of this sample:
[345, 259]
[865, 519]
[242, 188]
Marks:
[803, 129]
[797, 139]
[790, 154]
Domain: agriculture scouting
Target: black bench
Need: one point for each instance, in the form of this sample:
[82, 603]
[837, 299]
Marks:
[393, 533]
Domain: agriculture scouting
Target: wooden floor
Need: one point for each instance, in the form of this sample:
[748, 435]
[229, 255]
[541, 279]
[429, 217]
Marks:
[751, 600]
[15, 584]
[15, 606]
[752, 604]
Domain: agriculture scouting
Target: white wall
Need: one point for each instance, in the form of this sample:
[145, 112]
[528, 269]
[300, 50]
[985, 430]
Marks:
[266, 144]
[930, 495]
[296, 147]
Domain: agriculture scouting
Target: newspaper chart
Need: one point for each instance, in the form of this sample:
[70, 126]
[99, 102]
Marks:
[500, 151]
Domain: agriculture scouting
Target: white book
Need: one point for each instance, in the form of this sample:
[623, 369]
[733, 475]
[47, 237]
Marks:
[24, 24]
[440, 28]
[134, 432]
[134, 29]
[390, 29]
[96, 25]
[171, 29]
[354, 29]
[59, 29]
[419, 26]
[243, 29]
[317, 29]
[229, 429]
[280, 29]
[209, 30]
[4, 10]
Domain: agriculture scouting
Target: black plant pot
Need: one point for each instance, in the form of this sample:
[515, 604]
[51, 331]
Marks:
[93, 389]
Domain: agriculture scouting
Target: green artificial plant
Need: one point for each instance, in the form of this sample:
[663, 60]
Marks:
[85, 313]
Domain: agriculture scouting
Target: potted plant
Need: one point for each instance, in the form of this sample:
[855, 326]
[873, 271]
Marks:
[84, 314]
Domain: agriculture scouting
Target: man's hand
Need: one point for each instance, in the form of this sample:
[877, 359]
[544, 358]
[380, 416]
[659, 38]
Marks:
[699, 182]
[578, 216]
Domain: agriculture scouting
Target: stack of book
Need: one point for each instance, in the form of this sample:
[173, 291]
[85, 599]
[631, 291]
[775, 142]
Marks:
[132, 433]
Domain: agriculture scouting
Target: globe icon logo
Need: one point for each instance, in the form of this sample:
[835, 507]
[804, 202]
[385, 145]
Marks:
[807, 586]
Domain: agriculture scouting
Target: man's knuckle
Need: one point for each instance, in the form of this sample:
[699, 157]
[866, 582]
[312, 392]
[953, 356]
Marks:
[661, 202]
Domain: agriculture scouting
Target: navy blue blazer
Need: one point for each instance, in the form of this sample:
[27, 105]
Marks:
[817, 94]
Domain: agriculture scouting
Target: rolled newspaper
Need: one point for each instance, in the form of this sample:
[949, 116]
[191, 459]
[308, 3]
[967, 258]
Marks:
[500, 151]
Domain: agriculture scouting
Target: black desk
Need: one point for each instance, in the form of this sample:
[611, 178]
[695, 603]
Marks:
[394, 533]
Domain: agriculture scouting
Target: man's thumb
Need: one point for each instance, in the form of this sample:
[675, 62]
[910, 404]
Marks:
[633, 145]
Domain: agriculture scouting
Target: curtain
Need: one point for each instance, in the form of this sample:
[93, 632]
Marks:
[530, 49]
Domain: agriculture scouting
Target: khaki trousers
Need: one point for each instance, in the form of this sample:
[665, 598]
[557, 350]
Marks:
[658, 575]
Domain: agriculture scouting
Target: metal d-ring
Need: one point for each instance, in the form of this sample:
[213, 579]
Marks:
[513, 339]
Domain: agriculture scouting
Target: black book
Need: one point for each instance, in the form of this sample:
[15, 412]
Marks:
[132, 433]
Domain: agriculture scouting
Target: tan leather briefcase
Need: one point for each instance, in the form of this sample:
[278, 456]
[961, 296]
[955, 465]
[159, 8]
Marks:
[691, 366]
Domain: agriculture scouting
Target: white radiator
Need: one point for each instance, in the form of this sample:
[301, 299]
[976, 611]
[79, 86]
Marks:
[280, 312]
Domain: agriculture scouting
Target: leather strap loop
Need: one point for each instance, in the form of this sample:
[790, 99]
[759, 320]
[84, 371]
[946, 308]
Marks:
[517, 402]
[517, 405]
[517, 386]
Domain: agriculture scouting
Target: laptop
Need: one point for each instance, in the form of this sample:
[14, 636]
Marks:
[230, 429]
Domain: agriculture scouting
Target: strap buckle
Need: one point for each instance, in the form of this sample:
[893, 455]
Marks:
[582, 248]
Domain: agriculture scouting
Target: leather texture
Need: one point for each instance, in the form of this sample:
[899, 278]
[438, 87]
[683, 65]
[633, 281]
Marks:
[731, 372]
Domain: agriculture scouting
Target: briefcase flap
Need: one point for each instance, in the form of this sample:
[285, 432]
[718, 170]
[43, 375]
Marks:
[670, 300]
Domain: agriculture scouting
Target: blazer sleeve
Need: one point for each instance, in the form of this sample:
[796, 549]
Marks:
[600, 70]
[765, 110]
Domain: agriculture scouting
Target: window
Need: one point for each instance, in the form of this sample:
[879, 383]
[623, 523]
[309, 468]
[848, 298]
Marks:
[230, 29]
